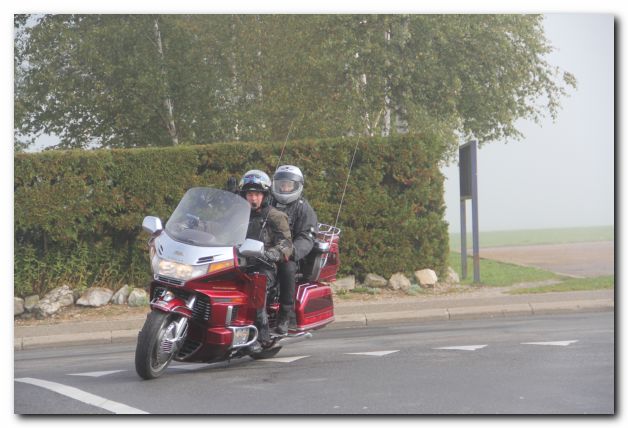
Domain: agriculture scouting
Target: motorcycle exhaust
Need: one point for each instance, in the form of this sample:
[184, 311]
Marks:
[299, 337]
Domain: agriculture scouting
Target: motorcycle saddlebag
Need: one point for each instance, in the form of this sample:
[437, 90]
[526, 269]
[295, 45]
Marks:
[314, 306]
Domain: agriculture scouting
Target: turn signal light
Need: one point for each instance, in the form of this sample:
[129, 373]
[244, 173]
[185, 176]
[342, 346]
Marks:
[219, 266]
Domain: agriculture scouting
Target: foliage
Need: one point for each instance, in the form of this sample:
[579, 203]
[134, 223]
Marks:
[102, 80]
[78, 214]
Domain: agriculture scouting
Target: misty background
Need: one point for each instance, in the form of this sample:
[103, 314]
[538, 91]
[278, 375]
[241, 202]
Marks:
[560, 174]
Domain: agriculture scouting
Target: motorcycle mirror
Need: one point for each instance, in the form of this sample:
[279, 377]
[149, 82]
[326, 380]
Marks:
[152, 225]
[252, 248]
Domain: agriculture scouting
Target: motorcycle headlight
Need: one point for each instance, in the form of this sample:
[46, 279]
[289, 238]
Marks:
[177, 270]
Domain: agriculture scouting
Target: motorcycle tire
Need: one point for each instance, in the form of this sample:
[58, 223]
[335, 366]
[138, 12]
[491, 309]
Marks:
[266, 353]
[150, 360]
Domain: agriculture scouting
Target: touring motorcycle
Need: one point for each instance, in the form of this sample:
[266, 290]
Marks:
[206, 288]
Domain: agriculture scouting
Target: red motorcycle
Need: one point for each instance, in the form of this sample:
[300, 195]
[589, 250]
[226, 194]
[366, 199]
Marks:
[206, 292]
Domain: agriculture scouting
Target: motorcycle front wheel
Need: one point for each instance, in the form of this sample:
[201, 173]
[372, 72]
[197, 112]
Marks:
[155, 348]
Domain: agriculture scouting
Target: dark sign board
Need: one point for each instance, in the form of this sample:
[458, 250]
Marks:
[464, 155]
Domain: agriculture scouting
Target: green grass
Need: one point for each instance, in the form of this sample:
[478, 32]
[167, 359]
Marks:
[576, 284]
[499, 274]
[536, 237]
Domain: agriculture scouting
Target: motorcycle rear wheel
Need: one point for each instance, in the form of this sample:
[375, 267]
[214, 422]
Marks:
[266, 353]
[152, 354]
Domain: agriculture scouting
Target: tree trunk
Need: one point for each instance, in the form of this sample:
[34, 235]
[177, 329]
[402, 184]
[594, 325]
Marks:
[168, 105]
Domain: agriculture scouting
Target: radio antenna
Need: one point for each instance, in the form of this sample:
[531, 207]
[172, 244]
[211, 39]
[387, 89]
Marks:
[284, 145]
[347, 181]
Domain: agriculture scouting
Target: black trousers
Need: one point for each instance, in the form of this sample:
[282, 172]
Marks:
[286, 274]
[262, 315]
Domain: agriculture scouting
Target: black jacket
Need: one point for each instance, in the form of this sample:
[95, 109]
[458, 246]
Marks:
[303, 225]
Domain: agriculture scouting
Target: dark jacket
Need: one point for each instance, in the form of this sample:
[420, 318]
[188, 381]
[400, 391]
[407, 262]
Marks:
[270, 226]
[303, 225]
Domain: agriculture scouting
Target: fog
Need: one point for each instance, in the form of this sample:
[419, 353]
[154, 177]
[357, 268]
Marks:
[560, 174]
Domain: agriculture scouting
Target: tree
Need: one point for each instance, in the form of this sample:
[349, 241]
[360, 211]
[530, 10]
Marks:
[146, 80]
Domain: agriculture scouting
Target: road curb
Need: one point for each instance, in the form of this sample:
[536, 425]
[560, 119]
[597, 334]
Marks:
[129, 329]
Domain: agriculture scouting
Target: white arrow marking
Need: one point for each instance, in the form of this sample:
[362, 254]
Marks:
[374, 353]
[96, 374]
[85, 397]
[559, 343]
[464, 348]
[284, 360]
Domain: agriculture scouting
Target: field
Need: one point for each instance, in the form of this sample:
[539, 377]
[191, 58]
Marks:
[510, 238]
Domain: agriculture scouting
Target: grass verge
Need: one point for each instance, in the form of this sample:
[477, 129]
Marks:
[574, 284]
[499, 274]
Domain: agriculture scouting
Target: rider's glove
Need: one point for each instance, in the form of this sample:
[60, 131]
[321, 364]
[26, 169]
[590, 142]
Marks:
[232, 185]
[192, 221]
[272, 255]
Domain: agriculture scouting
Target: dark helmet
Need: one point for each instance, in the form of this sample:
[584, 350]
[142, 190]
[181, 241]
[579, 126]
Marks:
[258, 181]
[287, 184]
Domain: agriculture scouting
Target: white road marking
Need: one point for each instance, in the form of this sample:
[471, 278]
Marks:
[284, 359]
[85, 397]
[464, 348]
[559, 343]
[96, 374]
[374, 353]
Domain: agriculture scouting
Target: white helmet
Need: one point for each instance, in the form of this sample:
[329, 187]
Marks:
[287, 184]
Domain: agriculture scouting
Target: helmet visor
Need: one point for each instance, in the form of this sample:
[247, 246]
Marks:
[286, 187]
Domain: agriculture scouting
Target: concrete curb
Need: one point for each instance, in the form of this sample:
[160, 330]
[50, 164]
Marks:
[125, 331]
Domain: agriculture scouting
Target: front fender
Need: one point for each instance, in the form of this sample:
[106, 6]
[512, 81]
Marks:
[176, 305]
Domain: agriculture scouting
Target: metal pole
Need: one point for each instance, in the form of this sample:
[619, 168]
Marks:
[463, 238]
[474, 209]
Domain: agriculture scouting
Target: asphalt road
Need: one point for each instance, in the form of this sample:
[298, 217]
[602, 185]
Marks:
[559, 364]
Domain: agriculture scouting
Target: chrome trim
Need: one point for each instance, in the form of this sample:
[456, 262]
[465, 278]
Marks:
[173, 345]
[249, 343]
[229, 316]
[315, 325]
[302, 291]
[190, 303]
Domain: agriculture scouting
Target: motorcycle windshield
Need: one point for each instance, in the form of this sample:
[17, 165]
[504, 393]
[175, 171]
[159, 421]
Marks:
[209, 218]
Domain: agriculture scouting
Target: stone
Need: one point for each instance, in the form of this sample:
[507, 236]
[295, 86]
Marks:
[346, 283]
[53, 301]
[95, 296]
[30, 302]
[375, 281]
[46, 308]
[138, 297]
[452, 277]
[398, 281]
[426, 278]
[64, 295]
[18, 306]
[120, 297]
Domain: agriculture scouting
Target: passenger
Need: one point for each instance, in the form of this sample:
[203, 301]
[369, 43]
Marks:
[287, 189]
[270, 226]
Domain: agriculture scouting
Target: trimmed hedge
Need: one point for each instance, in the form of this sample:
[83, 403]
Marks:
[78, 214]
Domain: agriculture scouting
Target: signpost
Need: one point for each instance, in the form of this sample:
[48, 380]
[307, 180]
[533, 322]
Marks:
[468, 165]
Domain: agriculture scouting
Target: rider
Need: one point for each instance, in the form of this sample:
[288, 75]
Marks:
[270, 226]
[287, 188]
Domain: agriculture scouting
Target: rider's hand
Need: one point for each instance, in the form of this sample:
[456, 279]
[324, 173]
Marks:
[272, 255]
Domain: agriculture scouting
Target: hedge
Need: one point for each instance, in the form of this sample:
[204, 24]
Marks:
[78, 214]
